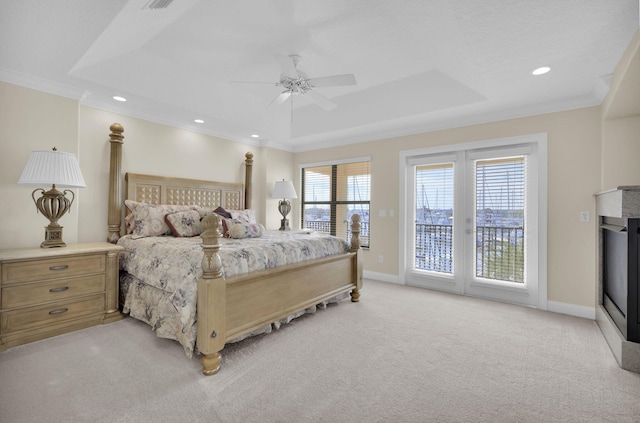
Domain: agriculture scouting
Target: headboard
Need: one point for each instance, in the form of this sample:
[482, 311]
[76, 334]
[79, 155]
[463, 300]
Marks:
[179, 191]
[168, 190]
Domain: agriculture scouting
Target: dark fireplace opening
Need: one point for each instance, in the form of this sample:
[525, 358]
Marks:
[620, 273]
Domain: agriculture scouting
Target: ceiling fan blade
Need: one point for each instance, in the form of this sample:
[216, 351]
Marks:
[333, 81]
[320, 100]
[251, 82]
[280, 99]
[287, 66]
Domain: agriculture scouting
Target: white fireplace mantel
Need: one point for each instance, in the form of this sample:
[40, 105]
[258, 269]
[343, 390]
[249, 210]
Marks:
[622, 202]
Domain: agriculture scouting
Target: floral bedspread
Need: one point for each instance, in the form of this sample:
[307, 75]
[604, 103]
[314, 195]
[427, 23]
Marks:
[174, 264]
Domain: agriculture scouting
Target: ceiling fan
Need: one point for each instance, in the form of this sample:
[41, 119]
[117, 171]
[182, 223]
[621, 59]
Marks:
[296, 82]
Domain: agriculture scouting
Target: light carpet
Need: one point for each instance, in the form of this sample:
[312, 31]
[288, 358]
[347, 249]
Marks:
[402, 354]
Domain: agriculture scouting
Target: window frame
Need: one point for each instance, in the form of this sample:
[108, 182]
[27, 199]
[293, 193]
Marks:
[333, 202]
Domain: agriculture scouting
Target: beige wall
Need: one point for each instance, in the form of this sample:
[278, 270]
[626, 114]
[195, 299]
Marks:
[152, 148]
[279, 166]
[621, 152]
[34, 120]
[573, 174]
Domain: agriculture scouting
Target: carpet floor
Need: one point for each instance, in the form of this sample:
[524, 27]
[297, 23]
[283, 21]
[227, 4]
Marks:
[402, 354]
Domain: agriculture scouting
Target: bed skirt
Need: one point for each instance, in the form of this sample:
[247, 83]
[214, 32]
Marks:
[153, 306]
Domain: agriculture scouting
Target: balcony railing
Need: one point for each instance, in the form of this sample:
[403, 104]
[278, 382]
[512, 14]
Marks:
[434, 247]
[325, 227]
[499, 250]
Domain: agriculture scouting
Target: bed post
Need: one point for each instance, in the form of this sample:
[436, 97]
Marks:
[355, 248]
[248, 171]
[115, 164]
[211, 308]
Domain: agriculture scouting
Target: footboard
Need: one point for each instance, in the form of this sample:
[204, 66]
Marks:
[239, 305]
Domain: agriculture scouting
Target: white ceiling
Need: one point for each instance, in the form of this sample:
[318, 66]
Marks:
[419, 64]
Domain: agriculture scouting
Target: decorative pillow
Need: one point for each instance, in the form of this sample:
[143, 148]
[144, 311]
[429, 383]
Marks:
[246, 216]
[246, 230]
[184, 223]
[129, 222]
[203, 211]
[148, 219]
[222, 212]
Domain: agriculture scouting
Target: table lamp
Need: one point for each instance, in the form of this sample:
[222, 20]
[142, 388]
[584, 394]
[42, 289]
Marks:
[60, 170]
[284, 189]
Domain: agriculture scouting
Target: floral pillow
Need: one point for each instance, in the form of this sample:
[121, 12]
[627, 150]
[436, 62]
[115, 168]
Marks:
[148, 219]
[246, 216]
[184, 223]
[246, 230]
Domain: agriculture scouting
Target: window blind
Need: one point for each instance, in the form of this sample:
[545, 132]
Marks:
[499, 215]
[332, 193]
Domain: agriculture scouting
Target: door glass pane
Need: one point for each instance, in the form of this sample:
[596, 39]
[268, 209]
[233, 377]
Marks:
[434, 218]
[500, 204]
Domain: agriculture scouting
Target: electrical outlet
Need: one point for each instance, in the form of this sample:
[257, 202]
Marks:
[380, 259]
[584, 216]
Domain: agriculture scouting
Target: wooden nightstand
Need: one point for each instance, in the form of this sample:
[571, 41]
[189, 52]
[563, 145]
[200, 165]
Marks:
[49, 291]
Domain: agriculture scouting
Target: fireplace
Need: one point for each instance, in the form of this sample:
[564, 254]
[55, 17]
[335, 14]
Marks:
[618, 309]
[620, 273]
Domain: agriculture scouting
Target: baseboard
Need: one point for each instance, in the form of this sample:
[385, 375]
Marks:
[572, 310]
[384, 277]
[553, 306]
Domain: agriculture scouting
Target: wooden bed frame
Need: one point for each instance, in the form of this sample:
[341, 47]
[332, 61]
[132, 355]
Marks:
[233, 307]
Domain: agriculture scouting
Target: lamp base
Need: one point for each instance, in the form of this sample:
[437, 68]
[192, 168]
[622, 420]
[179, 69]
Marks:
[53, 237]
[284, 207]
[53, 204]
[284, 225]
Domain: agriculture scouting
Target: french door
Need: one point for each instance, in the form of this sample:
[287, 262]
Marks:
[472, 223]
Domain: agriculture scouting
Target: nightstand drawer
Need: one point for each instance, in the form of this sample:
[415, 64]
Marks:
[52, 268]
[57, 312]
[56, 290]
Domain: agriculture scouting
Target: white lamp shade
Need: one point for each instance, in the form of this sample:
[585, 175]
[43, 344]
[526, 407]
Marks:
[284, 189]
[52, 167]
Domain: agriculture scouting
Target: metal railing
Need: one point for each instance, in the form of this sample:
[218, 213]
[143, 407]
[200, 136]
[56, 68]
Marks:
[499, 250]
[325, 227]
[434, 247]
[500, 253]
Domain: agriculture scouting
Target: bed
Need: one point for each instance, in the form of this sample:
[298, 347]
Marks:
[218, 302]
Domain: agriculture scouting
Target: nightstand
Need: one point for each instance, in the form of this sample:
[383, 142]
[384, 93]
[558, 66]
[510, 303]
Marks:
[49, 291]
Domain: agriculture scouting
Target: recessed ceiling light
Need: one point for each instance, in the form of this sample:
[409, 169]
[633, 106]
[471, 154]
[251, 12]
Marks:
[198, 121]
[118, 98]
[255, 136]
[541, 71]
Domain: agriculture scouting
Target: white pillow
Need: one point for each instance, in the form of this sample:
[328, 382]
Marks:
[148, 219]
[246, 230]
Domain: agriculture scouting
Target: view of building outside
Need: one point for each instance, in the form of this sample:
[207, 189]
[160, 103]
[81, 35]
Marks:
[332, 194]
[499, 218]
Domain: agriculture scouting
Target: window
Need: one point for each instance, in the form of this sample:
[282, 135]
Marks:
[332, 193]
[500, 206]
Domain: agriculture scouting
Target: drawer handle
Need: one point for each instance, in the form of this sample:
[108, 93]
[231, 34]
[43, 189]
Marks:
[59, 311]
[64, 266]
[60, 289]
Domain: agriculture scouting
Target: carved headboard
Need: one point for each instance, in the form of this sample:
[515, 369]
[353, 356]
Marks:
[179, 191]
